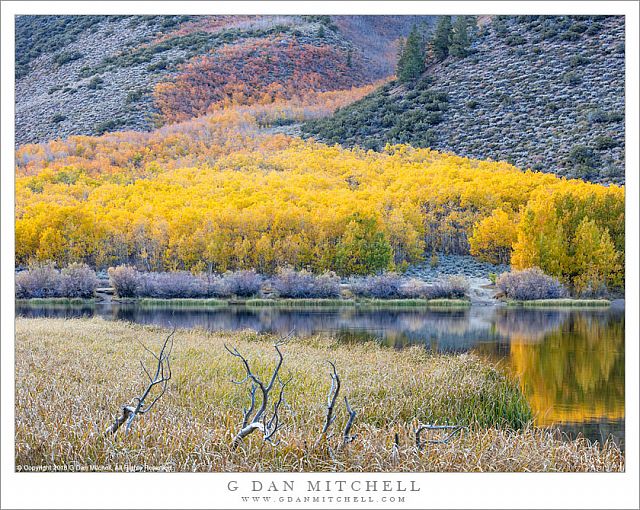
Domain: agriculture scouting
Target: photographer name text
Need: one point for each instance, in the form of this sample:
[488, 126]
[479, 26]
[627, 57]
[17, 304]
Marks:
[257, 486]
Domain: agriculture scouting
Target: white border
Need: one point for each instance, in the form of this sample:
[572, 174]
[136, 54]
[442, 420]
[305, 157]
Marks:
[209, 490]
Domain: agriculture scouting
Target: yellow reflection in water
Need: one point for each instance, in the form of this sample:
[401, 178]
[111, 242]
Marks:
[574, 373]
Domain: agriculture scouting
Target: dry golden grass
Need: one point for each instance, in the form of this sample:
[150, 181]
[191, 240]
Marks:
[72, 376]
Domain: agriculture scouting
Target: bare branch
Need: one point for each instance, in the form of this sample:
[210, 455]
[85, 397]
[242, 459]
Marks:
[259, 421]
[146, 371]
[347, 438]
[241, 382]
[247, 412]
[146, 348]
[277, 369]
[245, 363]
[418, 431]
[274, 423]
[330, 418]
[126, 411]
[331, 398]
[285, 339]
[161, 379]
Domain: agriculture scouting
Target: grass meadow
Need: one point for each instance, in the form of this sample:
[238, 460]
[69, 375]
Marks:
[72, 377]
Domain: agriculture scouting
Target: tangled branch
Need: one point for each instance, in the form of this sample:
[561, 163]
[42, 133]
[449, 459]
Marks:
[332, 397]
[454, 429]
[160, 379]
[258, 421]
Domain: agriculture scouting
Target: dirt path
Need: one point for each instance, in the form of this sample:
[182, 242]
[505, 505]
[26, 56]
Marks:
[104, 294]
[481, 292]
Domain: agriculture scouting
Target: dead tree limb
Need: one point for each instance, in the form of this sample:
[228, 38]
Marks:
[160, 379]
[347, 437]
[454, 429]
[258, 421]
[331, 399]
[330, 417]
[125, 413]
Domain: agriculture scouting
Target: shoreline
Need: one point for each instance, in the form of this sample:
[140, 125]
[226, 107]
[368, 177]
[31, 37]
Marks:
[319, 303]
[253, 302]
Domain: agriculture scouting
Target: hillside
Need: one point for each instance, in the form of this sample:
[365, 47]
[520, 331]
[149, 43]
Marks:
[224, 192]
[235, 189]
[545, 93]
[94, 74]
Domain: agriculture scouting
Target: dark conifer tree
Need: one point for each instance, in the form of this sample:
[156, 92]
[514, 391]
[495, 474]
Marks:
[442, 38]
[411, 61]
[460, 38]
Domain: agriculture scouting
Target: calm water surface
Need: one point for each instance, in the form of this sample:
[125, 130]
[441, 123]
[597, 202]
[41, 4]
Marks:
[570, 363]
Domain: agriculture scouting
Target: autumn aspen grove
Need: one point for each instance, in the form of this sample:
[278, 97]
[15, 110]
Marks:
[320, 243]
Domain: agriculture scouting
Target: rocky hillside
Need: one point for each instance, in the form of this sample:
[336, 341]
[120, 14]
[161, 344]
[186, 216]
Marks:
[541, 92]
[93, 74]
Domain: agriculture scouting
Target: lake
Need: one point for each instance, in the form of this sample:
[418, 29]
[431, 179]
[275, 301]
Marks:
[569, 362]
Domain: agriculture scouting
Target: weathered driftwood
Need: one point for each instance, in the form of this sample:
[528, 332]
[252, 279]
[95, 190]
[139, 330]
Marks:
[160, 379]
[347, 437]
[332, 397]
[126, 412]
[258, 421]
[331, 400]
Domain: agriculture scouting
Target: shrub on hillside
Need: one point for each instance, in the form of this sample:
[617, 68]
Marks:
[78, 281]
[384, 286]
[41, 281]
[530, 284]
[515, 40]
[65, 57]
[599, 116]
[571, 78]
[95, 83]
[579, 60]
[134, 95]
[453, 287]
[214, 286]
[414, 289]
[303, 284]
[594, 28]
[129, 282]
[125, 280]
[582, 159]
[242, 283]
[44, 281]
[392, 286]
[605, 142]
[175, 284]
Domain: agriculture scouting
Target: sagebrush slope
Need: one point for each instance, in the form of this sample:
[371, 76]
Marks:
[94, 74]
[540, 92]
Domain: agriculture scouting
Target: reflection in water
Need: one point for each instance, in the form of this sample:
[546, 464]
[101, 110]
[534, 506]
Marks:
[531, 325]
[570, 363]
[567, 374]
